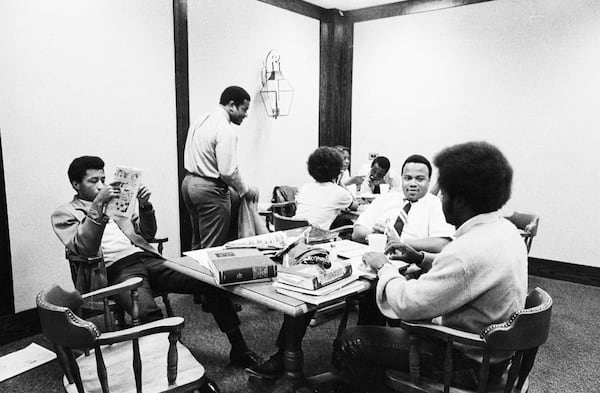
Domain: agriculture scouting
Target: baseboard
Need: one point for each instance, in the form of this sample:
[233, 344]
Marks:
[580, 274]
[20, 325]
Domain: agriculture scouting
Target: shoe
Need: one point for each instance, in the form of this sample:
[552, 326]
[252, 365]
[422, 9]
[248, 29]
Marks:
[271, 369]
[245, 359]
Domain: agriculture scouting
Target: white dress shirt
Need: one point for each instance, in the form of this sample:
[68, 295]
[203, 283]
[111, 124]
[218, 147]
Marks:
[425, 218]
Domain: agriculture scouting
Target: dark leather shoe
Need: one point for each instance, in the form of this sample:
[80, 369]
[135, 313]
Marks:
[271, 369]
[245, 359]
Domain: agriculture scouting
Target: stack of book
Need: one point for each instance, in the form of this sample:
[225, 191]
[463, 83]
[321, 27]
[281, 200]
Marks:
[312, 283]
[234, 266]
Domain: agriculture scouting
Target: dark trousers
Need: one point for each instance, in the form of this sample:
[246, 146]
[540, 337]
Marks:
[368, 311]
[160, 278]
[367, 351]
[208, 203]
[297, 332]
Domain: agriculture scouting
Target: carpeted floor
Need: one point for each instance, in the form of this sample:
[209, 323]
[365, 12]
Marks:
[568, 362]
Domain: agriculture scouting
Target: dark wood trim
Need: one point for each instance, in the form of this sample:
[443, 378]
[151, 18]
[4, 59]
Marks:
[182, 108]
[299, 7]
[404, 8]
[20, 325]
[335, 81]
[7, 298]
[579, 274]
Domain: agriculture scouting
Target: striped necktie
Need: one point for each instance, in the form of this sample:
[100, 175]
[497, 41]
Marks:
[402, 218]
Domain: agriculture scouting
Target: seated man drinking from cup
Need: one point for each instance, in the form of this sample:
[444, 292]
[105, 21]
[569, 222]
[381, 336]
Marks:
[414, 217]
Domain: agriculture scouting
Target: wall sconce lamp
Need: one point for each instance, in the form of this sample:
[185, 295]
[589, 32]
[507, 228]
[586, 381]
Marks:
[277, 92]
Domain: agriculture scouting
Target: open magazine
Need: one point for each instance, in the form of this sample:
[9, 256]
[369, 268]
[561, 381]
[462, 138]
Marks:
[128, 180]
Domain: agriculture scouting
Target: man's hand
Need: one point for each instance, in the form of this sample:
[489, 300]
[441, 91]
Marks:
[358, 179]
[251, 194]
[379, 227]
[403, 252]
[143, 195]
[109, 192]
[375, 260]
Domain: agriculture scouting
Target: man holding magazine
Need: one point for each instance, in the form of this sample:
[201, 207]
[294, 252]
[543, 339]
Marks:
[86, 231]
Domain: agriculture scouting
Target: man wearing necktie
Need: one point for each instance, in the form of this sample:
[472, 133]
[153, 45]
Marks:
[414, 217]
[86, 231]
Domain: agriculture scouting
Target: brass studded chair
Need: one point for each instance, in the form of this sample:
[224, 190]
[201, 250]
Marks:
[527, 224]
[146, 357]
[522, 333]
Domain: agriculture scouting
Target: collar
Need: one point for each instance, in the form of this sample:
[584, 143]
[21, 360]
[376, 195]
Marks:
[224, 113]
[80, 202]
[479, 219]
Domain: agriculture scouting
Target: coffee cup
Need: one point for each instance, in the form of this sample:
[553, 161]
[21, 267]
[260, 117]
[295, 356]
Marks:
[377, 242]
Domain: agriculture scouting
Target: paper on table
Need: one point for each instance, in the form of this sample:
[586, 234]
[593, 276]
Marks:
[25, 359]
[200, 256]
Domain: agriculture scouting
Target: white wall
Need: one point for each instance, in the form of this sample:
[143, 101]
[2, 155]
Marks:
[522, 74]
[86, 77]
[228, 42]
[81, 77]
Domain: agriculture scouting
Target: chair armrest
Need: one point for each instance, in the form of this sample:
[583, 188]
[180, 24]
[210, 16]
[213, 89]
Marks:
[158, 240]
[343, 228]
[443, 332]
[167, 325]
[127, 285]
[282, 204]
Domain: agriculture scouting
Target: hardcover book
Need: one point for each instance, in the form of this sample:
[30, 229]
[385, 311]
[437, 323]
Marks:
[233, 266]
[128, 180]
[313, 276]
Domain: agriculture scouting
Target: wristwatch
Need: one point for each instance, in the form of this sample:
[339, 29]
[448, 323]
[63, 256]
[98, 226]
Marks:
[97, 217]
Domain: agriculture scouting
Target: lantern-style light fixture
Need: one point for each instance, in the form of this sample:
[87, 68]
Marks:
[277, 92]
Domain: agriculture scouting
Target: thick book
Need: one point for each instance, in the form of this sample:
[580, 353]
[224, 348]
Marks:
[128, 180]
[233, 266]
[313, 276]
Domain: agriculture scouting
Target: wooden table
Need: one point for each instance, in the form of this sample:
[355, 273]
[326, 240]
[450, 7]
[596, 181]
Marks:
[293, 310]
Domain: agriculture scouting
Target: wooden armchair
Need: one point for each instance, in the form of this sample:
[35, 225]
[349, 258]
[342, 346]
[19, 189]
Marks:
[527, 224]
[146, 357]
[89, 274]
[522, 333]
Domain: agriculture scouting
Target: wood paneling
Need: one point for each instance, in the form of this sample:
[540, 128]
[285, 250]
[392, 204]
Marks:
[404, 8]
[580, 274]
[299, 7]
[7, 301]
[335, 81]
[20, 325]
[182, 104]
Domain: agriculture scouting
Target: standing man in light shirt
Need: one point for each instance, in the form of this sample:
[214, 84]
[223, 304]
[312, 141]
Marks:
[210, 158]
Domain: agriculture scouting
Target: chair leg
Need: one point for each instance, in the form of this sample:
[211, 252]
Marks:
[167, 303]
[210, 387]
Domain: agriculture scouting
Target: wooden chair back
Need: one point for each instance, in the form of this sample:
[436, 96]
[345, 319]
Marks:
[59, 323]
[522, 333]
[282, 223]
[527, 224]
[284, 200]
[155, 358]
[89, 274]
